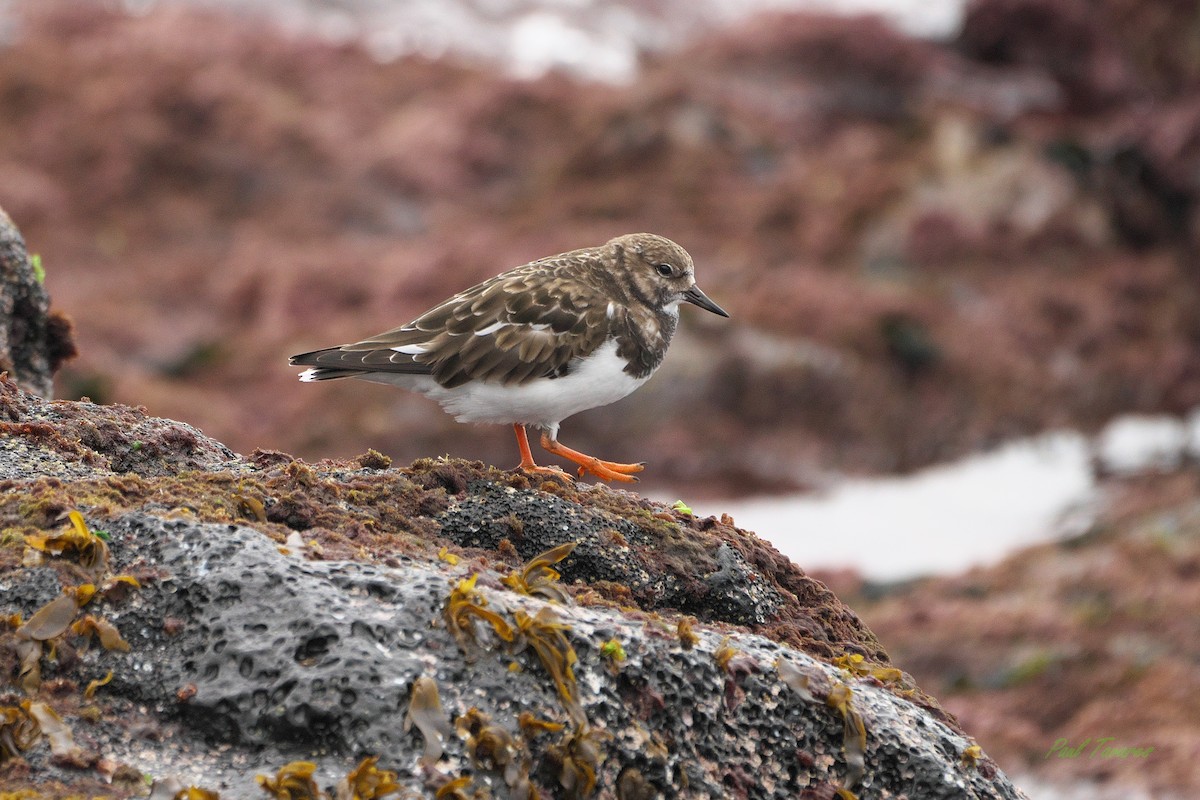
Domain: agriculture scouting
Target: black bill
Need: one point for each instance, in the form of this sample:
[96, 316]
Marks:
[699, 298]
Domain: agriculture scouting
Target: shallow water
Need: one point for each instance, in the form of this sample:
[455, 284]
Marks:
[973, 512]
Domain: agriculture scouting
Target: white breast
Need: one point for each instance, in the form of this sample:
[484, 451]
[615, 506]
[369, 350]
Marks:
[595, 381]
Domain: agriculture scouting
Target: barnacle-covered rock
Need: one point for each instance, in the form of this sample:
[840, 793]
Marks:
[316, 659]
[582, 641]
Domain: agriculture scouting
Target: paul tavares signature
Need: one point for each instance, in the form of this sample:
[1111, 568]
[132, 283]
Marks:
[1096, 748]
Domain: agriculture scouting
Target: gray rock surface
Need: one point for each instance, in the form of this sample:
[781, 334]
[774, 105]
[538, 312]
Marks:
[75, 440]
[731, 589]
[33, 340]
[304, 660]
[316, 661]
[290, 612]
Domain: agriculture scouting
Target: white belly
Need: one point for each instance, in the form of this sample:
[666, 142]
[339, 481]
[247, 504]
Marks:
[595, 381]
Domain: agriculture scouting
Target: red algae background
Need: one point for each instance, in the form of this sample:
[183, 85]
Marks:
[1064, 661]
[926, 248]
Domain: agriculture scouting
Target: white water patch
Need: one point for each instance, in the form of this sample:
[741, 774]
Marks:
[542, 41]
[1135, 443]
[606, 44]
[601, 40]
[941, 520]
[930, 19]
[973, 512]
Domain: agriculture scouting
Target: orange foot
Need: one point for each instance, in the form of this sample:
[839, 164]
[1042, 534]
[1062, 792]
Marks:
[527, 464]
[590, 465]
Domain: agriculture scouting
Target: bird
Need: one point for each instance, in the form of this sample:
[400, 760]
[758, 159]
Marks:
[537, 344]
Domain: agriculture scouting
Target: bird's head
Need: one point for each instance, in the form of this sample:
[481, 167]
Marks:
[659, 272]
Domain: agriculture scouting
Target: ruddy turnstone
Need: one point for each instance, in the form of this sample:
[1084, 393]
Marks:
[536, 344]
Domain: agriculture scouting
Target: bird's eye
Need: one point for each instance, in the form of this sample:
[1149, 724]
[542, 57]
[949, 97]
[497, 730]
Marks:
[665, 270]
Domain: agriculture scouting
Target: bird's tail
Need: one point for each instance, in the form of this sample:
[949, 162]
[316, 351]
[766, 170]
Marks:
[350, 361]
[325, 374]
[318, 372]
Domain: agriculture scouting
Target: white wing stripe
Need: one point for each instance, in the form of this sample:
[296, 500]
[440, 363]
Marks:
[495, 326]
[490, 329]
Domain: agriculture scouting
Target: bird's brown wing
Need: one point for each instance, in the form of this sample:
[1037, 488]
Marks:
[528, 323]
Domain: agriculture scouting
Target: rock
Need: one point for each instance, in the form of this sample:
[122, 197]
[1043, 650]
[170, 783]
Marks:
[720, 582]
[83, 439]
[34, 341]
[289, 612]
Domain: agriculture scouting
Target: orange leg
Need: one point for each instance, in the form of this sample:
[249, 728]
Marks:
[605, 470]
[527, 464]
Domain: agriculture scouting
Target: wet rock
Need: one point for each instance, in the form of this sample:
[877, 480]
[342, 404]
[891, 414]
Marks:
[74, 439]
[309, 655]
[34, 341]
[320, 658]
[680, 656]
[713, 582]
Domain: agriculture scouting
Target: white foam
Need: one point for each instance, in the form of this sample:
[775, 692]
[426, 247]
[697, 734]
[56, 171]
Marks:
[973, 512]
